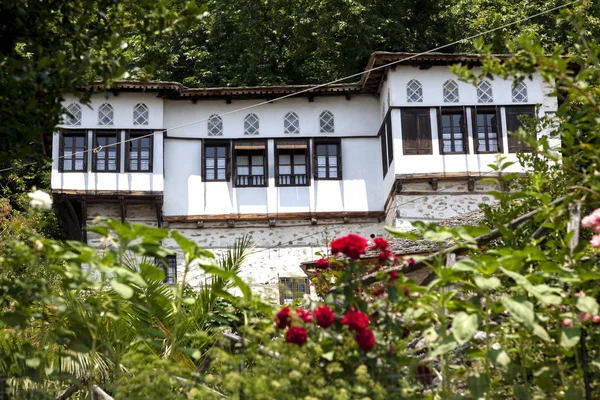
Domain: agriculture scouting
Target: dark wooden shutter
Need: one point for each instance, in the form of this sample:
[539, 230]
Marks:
[389, 139]
[314, 150]
[383, 138]
[228, 162]
[424, 132]
[416, 131]
[409, 132]
[513, 124]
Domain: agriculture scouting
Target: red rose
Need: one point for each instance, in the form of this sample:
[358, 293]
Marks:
[566, 323]
[425, 375]
[596, 319]
[304, 315]
[393, 275]
[365, 339]
[322, 263]
[325, 317]
[282, 318]
[380, 244]
[584, 316]
[410, 262]
[355, 320]
[351, 245]
[386, 256]
[296, 335]
[379, 290]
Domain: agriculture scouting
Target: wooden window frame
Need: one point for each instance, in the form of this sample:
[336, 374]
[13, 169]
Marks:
[419, 149]
[389, 138]
[306, 158]
[132, 134]
[328, 141]
[475, 111]
[265, 164]
[61, 162]
[296, 294]
[105, 133]
[514, 144]
[441, 111]
[383, 139]
[169, 267]
[216, 143]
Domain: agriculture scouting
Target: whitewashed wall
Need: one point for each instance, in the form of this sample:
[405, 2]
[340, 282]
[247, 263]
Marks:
[355, 117]
[187, 194]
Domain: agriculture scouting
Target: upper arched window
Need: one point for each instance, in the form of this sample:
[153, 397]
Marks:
[414, 91]
[106, 114]
[215, 125]
[141, 114]
[326, 122]
[451, 92]
[251, 125]
[73, 114]
[519, 93]
[484, 92]
[291, 123]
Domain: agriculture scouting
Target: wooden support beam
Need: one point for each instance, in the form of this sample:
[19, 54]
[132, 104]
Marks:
[83, 220]
[123, 208]
[158, 205]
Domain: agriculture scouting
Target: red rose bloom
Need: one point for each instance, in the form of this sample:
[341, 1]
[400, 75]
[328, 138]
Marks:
[393, 275]
[351, 245]
[410, 262]
[304, 315]
[296, 335]
[378, 290]
[365, 339]
[322, 263]
[282, 318]
[386, 256]
[325, 317]
[425, 375]
[406, 291]
[380, 244]
[355, 320]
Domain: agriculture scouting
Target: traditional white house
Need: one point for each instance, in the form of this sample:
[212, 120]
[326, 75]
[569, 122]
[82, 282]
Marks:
[405, 143]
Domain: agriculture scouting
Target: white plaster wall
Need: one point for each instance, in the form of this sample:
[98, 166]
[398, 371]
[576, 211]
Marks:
[355, 117]
[123, 105]
[186, 193]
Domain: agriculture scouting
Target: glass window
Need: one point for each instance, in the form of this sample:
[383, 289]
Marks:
[216, 162]
[251, 125]
[250, 167]
[170, 268]
[414, 92]
[106, 114]
[291, 161]
[291, 289]
[326, 122]
[291, 123]
[139, 151]
[327, 160]
[452, 131]
[484, 92]
[451, 92]
[106, 152]
[73, 149]
[141, 114]
[519, 93]
[73, 114]
[215, 125]
[487, 138]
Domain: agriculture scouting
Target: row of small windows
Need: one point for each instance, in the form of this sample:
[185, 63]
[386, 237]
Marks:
[106, 114]
[141, 116]
[245, 160]
[291, 124]
[414, 92]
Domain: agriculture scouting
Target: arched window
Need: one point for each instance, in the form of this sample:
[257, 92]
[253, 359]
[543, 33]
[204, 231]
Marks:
[484, 92]
[106, 114]
[74, 114]
[451, 91]
[326, 122]
[519, 93]
[251, 125]
[141, 114]
[291, 123]
[414, 91]
[215, 125]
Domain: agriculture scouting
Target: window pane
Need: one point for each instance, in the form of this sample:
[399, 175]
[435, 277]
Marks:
[321, 160]
[322, 172]
[220, 174]
[332, 149]
[458, 144]
[68, 165]
[333, 172]
[79, 165]
[221, 163]
[257, 170]
[299, 159]
[210, 174]
[300, 170]
[133, 155]
[284, 159]
[100, 165]
[145, 154]
[210, 152]
[243, 171]
[285, 170]
[112, 165]
[332, 161]
[79, 141]
[145, 166]
[210, 163]
[242, 160]
[321, 150]
[221, 151]
[257, 160]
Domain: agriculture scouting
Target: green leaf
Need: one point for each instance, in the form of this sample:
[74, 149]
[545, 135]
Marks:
[33, 362]
[521, 310]
[122, 290]
[588, 304]
[328, 356]
[437, 236]
[569, 337]
[465, 265]
[445, 346]
[464, 327]
[499, 358]
[540, 332]
[151, 272]
[487, 283]
[478, 385]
